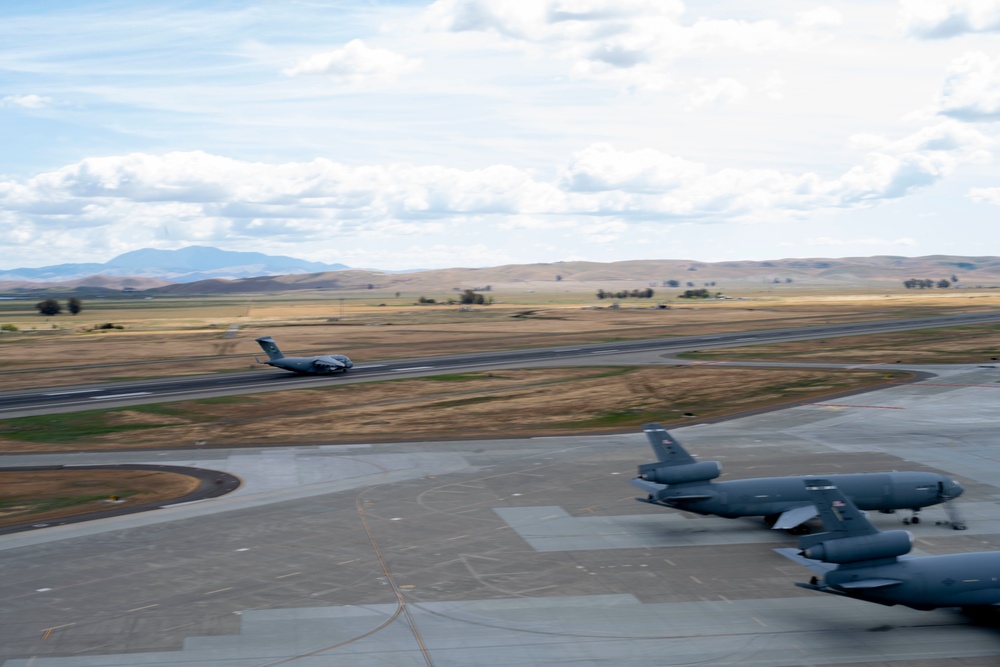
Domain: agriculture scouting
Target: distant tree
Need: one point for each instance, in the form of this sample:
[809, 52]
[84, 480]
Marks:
[470, 297]
[48, 307]
[690, 284]
[788, 280]
[424, 299]
[8, 327]
[397, 295]
[601, 294]
[944, 283]
[370, 286]
[954, 279]
[74, 305]
[695, 294]
[671, 283]
[558, 278]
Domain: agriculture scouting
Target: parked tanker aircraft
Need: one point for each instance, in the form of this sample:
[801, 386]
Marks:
[854, 559]
[319, 365]
[678, 481]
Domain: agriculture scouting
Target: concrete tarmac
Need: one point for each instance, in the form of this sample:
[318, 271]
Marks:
[503, 552]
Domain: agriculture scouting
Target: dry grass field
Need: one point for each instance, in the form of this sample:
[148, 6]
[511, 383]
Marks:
[484, 404]
[49, 494]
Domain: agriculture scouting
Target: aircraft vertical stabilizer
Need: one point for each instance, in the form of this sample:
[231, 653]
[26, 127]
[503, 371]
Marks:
[665, 446]
[270, 347]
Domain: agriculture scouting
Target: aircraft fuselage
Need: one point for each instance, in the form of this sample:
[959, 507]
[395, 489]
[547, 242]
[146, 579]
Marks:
[324, 365]
[766, 496]
[929, 582]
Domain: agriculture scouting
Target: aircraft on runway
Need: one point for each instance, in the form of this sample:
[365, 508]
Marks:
[856, 560]
[677, 481]
[319, 365]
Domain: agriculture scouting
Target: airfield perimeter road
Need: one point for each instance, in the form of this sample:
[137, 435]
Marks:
[502, 553]
[118, 394]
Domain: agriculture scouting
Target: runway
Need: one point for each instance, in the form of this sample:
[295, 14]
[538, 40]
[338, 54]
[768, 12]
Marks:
[87, 397]
[504, 552]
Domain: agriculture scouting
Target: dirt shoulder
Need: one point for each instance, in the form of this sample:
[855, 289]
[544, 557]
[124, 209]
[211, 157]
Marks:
[974, 344]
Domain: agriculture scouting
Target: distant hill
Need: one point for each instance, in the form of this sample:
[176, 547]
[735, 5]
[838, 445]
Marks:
[851, 271]
[190, 264]
[874, 272]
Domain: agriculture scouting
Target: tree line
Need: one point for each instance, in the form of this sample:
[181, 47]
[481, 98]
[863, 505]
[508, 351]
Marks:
[626, 294]
[927, 283]
[53, 307]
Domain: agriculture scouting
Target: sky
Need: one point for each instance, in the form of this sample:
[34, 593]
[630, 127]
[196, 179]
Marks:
[405, 134]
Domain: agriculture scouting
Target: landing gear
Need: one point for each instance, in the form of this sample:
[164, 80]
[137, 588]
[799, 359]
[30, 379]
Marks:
[954, 516]
[801, 529]
[913, 519]
[771, 519]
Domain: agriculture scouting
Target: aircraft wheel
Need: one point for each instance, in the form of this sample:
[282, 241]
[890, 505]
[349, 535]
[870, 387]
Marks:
[915, 519]
[771, 519]
[801, 529]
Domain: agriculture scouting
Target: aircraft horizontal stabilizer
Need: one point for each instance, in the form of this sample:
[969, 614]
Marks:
[648, 487]
[816, 566]
[871, 583]
[795, 517]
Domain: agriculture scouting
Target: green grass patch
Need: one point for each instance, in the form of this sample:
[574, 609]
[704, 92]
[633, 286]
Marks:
[27, 506]
[225, 400]
[81, 426]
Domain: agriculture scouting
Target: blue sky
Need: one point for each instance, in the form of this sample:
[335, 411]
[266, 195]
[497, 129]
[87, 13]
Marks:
[404, 135]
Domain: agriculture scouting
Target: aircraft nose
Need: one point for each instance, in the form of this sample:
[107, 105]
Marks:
[954, 489]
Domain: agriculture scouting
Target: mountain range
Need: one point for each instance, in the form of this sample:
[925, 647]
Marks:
[186, 265]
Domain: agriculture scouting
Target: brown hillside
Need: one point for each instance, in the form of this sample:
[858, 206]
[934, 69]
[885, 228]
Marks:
[849, 271]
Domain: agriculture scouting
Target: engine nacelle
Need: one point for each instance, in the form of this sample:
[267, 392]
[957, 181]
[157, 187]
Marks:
[889, 544]
[682, 474]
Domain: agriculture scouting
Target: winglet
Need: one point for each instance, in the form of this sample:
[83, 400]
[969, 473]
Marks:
[665, 446]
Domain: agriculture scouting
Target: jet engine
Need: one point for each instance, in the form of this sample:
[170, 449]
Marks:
[680, 474]
[889, 544]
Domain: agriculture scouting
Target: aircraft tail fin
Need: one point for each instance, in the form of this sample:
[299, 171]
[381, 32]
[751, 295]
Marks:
[839, 515]
[665, 446]
[270, 347]
[849, 537]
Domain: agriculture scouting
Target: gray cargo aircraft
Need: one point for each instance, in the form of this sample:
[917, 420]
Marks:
[855, 560]
[319, 365]
[677, 481]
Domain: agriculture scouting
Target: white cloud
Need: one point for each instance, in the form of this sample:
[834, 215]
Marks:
[723, 91]
[634, 43]
[355, 63]
[26, 101]
[600, 168]
[819, 17]
[971, 89]
[598, 193]
[935, 19]
[985, 195]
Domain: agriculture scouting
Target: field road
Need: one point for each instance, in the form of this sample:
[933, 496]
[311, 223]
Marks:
[120, 394]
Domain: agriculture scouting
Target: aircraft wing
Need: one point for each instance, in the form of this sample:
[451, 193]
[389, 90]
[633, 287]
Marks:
[816, 566]
[796, 516]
